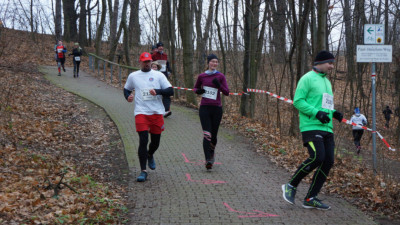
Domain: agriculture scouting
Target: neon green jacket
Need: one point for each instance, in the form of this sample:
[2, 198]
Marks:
[308, 100]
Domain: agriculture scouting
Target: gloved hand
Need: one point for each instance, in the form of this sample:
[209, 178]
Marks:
[338, 115]
[216, 82]
[200, 91]
[364, 122]
[323, 117]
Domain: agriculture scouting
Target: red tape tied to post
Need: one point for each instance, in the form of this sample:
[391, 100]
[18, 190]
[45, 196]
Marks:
[343, 121]
[189, 89]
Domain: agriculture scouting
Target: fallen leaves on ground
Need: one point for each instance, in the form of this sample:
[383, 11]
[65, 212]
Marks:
[58, 163]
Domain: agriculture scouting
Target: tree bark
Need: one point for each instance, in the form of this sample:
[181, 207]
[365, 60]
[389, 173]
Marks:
[322, 24]
[202, 37]
[221, 42]
[57, 20]
[70, 18]
[185, 21]
[252, 52]
[113, 39]
[82, 23]
[134, 26]
[99, 33]
[164, 23]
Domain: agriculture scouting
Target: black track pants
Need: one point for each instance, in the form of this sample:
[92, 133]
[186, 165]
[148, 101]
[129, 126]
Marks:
[357, 134]
[320, 147]
[142, 152]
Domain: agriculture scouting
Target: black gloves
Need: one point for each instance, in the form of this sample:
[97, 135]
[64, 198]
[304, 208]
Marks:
[216, 82]
[338, 115]
[323, 117]
[200, 91]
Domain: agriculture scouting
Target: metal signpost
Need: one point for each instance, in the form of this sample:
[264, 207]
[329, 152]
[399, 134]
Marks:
[374, 51]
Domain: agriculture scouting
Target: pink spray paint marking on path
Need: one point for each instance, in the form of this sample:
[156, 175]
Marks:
[255, 213]
[205, 181]
[198, 163]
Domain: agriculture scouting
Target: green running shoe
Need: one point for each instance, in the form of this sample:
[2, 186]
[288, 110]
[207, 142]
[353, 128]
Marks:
[288, 193]
[315, 203]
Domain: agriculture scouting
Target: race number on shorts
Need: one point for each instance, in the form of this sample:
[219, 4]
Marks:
[210, 93]
[327, 101]
[77, 58]
[146, 96]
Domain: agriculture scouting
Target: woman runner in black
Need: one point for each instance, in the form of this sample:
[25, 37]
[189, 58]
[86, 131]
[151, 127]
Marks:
[209, 84]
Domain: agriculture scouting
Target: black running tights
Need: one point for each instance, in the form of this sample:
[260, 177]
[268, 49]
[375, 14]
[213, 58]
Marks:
[153, 146]
[210, 118]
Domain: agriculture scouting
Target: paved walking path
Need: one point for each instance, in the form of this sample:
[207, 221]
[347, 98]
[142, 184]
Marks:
[242, 188]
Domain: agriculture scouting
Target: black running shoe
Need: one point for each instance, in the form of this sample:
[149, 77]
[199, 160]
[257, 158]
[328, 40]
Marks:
[209, 165]
[289, 192]
[315, 203]
[166, 114]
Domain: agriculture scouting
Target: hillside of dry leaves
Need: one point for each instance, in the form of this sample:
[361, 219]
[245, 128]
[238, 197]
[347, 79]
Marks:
[55, 148]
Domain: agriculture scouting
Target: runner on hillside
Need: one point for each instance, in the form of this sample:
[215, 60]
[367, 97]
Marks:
[209, 84]
[149, 86]
[358, 132]
[77, 53]
[60, 51]
[314, 100]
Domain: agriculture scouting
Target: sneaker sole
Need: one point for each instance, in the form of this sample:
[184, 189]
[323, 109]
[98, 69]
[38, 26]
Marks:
[312, 207]
[283, 195]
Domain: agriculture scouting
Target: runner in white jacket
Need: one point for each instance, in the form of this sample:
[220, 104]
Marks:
[358, 132]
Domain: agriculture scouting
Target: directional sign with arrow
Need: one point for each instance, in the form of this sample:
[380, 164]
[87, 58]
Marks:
[374, 34]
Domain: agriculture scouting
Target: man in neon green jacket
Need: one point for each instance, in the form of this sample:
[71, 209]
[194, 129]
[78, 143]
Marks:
[314, 100]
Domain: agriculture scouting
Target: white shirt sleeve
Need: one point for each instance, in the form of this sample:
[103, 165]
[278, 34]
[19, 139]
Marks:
[129, 85]
[164, 82]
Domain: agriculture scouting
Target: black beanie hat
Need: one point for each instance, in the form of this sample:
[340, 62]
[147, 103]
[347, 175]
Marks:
[211, 57]
[153, 47]
[160, 44]
[324, 57]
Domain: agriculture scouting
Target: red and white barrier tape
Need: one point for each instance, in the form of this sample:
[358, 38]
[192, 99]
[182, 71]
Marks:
[272, 94]
[343, 121]
[189, 89]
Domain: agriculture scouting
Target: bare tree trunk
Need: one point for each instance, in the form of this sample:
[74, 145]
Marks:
[322, 24]
[185, 22]
[134, 26]
[235, 24]
[124, 27]
[278, 27]
[82, 24]
[172, 38]
[221, 42]
[349, 47]
[113, 39]
[202, 37]
[253, 40]
[70, 18]
[100, 29]
[164, 23]
[57, 21]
